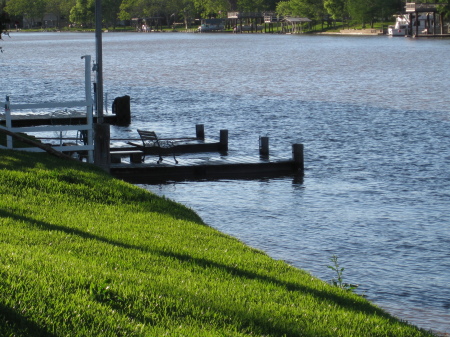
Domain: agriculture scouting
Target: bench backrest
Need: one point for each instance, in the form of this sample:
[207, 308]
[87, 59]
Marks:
[148, 137]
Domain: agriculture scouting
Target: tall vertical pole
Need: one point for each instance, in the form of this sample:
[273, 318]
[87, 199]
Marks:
[99, 67]
[89, 105]
[9, 140]
[102, 133]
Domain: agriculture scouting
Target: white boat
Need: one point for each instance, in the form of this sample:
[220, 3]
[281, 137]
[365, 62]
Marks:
[401, 26]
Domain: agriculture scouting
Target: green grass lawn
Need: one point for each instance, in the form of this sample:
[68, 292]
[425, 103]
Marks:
[83, 254]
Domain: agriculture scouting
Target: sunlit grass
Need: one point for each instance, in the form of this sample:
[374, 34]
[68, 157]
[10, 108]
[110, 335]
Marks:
[83, 254]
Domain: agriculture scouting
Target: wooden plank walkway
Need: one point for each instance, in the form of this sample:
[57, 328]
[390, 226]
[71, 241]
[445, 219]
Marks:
[219, 167]
[38, 120]
[192, 146]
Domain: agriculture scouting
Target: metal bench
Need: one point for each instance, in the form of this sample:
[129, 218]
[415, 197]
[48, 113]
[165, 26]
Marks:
[150, 139]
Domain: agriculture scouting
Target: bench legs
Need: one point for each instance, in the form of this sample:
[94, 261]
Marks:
[159, 161]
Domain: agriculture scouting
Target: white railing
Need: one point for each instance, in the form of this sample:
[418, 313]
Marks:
[87, 103]
[421, 7]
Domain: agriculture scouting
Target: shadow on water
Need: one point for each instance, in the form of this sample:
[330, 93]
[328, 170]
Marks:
[297, 179]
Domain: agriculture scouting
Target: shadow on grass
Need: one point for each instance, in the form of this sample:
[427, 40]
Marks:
[11, 320]
[347, 303]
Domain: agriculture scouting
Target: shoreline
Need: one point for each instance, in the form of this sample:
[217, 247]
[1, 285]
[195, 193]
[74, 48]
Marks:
[346, 32]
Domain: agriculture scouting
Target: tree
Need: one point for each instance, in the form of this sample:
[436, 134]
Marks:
[83, 13]
[251, 5]
[313, 9]
[271, 5]
[110, 12]
[367, 11]
[61, 9]
[284, 8]
[183, 9]
[443, 9]
[187, 12]
[31, 9]
[336, 8]
[127, 9]
[139, 8]
[208, 8]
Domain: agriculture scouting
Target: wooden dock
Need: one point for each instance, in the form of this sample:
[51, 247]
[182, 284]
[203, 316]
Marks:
[196, 144]
[38, 120]
[211, 162]
[206, 168]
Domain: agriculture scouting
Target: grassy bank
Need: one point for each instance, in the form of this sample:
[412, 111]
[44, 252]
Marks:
[83, 254]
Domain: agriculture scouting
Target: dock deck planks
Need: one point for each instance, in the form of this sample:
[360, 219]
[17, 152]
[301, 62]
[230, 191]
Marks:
[214, 167]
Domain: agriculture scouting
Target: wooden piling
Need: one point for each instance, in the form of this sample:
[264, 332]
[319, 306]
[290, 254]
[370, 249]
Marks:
[200, 131]
[102, 156]
[264, 146]
[121, 108]
[224, 140]
[297, 156]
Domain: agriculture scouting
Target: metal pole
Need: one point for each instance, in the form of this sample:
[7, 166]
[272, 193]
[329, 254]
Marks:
[9, 140]
[102, 132]
[99, 66]
[89, 105]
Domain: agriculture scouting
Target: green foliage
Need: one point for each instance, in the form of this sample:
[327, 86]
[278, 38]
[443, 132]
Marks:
[103, 293]
[34, 9]
[83, 13]
[339, 281]
[284, 8]
[368, 11]
[83, 254]
[336, 8]
[110, 10]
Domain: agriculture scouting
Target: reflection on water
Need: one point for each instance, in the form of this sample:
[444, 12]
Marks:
[375, 129]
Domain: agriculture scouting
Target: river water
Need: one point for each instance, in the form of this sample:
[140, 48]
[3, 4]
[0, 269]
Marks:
[372, 113]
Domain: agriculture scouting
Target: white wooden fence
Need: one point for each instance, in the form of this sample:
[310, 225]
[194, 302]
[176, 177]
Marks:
[87, 103]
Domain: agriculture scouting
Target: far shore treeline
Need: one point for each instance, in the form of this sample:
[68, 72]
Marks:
[76, 14]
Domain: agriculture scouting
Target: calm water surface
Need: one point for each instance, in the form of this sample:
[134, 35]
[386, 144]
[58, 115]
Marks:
[372, 112]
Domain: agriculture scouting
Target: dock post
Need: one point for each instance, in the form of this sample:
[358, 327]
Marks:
[297, 156]
[102, 156]
[224, 140]
[264, 146]
[200, 131]
[121, 108]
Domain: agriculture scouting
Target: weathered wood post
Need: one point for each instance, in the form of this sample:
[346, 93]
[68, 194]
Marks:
[121, 108]
[9, 140]
[102, 157]
[224, 140]
[200, 131]
[264, 146]
[297, 156]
